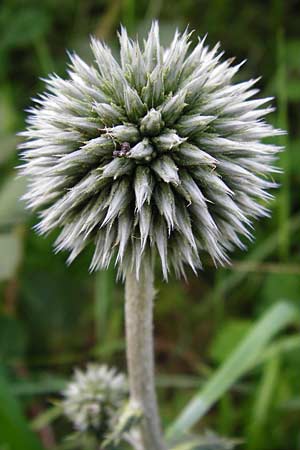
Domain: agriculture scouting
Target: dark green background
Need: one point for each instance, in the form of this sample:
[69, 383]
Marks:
[54, 317]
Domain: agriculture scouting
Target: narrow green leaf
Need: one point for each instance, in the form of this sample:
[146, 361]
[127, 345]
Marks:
[15, 433]
[241, 360]
[263, 401]
[209, 441]
[280, 346]
[284, 198]
[129, 7]
[46, 417]
[104, 288]
[46, 385]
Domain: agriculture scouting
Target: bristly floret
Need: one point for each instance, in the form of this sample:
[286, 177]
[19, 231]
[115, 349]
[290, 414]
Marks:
[158, 155]
[93, 398]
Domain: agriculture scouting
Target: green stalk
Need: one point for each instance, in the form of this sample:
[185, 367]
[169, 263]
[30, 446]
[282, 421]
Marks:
[43, 55]
[139, 295]
[128, 14]
[284, 196]
[104, 288]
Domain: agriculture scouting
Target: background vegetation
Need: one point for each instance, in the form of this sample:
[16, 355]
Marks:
[53, 318]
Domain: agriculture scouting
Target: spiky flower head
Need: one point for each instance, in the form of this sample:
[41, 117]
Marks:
[93, 398]
[158, 154]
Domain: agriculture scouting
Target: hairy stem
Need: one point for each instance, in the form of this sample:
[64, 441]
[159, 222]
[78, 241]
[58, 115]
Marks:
[139, 296]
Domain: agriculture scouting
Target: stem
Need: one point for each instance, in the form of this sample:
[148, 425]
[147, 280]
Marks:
[285, 191]
[139, 296]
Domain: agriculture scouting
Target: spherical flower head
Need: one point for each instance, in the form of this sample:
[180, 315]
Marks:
[93, 397]
[159, 154]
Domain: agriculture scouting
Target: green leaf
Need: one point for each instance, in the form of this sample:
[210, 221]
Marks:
[281, 346]
[42, 385]
[46, 417]
[263, 401]
[10, 255]
[241, 361]
[15, 433]
[209, 441]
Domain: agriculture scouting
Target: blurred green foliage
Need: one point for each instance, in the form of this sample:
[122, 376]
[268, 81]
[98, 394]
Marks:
[54, 317]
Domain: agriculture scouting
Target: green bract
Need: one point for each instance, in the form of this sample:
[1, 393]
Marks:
[159, 154]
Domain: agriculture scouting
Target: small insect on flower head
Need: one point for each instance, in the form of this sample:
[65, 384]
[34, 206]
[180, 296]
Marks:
[158, 154]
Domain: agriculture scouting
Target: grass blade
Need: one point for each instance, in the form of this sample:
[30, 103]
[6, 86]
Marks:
[284, 195]
[46, 417]
[263, 402]
[104, 288]
[128, 15]
[241, 360]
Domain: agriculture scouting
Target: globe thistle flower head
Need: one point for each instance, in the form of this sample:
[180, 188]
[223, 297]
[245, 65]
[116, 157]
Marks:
[158, 154]
[93, 398]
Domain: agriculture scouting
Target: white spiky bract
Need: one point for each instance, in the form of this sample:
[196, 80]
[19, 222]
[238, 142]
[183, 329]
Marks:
[160, 154]
[93, 397]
